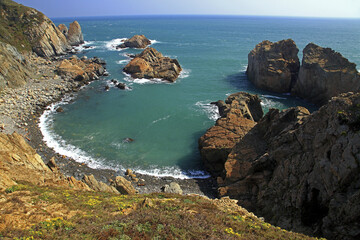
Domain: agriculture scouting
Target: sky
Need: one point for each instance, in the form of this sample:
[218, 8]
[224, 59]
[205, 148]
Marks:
[294, 8]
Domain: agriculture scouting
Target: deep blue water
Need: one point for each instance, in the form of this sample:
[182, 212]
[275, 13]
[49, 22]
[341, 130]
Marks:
[166, 120]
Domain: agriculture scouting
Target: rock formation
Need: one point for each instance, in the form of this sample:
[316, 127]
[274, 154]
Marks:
[239, 114]
[274, 66]
[124, 186]
[137, 41]
[152, 64]
[80, 70]
[14, 69]
[63, 28]
[74, 35]
[301, 171]
[324, 74]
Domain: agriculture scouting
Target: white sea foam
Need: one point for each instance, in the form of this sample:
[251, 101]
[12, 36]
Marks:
[211, 110]
[111, 45]
[160, 119]
[84, 46]
[142, 81]
[125, 61]
[185, 73]
[268, 103]
[154, 41]
[274, 97]
[173, 172]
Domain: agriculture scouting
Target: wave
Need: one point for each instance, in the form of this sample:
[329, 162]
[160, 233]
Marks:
[142, 81]
[160, 119]
[211, 110]
[84, 46]
[173, 172]
[154, 41]
[274, 97]
[125, 61]
[185, 73]
[112, 44]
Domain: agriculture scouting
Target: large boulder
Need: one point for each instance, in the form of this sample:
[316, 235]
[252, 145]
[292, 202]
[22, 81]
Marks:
[98, 186]
[14, 69]
[301, 171]
[137, 41]
[274, 66]
[74, 35]
[123, 186]
[152, 64]
[239, 114]
[324, 74]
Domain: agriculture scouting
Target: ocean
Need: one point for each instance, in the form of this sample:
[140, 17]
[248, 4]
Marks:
[165, 120]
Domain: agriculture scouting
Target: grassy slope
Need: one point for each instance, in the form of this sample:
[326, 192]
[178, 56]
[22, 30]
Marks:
[15, 20]
[96, 215]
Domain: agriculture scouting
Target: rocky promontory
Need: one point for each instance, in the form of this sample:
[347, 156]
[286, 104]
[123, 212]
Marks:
[152, 64]
[239, 113]
[137, 41]
[324, 74]
[274, 66]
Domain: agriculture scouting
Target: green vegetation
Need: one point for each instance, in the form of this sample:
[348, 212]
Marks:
[97, 215]
[16, 22]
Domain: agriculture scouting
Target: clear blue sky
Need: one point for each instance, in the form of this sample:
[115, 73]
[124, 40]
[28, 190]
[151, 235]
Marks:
[306, 8]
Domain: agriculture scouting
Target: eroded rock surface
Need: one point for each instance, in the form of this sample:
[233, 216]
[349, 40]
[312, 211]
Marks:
[74, 35]
[239, 114]
[137, 41]
[324, 74]
[152, 64]
[274, 66]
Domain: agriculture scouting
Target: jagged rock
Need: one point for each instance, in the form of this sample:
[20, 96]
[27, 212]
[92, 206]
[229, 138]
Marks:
[63, 28]
[137, 41]
[52, 165]
[80, 70]
[75, 36]
[239, 114]
[301, 171]
[14, 69]
[152, 64]
[324, 74]
[96, 185]
[121, 86]
[59, 109]
[274, 66]
[173, 187]
[124, 186]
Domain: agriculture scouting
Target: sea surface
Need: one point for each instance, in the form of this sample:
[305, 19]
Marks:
[165, 120]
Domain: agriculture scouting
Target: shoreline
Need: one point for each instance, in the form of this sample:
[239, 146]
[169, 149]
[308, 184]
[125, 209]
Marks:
[22, 107]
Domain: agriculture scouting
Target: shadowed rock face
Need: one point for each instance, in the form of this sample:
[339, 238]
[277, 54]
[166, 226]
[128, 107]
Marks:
[74, 35]
[274, 66]
[301, 171]
[137, 41]
[63, 28]
[324, 74]
[239, 114]
[152, 64]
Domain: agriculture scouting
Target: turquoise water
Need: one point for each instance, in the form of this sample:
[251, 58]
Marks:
[165, 120]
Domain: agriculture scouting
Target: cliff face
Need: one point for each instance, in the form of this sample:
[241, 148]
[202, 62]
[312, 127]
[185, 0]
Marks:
[301, 171]
[14, 69]
[325, 73]
[274, 66]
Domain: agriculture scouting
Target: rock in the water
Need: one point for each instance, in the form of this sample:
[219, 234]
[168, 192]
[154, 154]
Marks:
[137, 41]
[121, 86]
[128, 140]
[301, 171]
[239, 114]
[107, 88]
[63, 28]
[274, 66]
[124, 186]
[152, 64]
[173, 187]
[75, 36]
[59, 109]
[96, 185]
[324, 74]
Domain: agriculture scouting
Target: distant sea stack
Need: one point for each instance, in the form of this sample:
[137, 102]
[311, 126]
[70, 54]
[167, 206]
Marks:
[274, 66]
[74, 34]
[323, 74]
[152, 64]
[137, 41]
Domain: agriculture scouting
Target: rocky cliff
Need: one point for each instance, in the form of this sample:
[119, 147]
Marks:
[152, 64]
[14, 69]
[324, 74]
[301, 171]
[239, 113]
[274, 66]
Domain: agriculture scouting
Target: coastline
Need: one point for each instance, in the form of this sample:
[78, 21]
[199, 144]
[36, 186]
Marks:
[21, 108]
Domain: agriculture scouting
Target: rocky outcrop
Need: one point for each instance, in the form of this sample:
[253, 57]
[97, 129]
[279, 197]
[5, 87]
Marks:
[274, 66]
[80, 69]
[123, 186]
[14, 69]
[137, 41]
[324, 74]
[63, 28]
[152, 64]
[74, 35]
[173, 187]
[301, 171]
[98, 186]
[239, 113]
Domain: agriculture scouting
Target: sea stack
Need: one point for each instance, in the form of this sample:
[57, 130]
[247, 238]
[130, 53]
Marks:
[137, 41]
[274, 66]
[152, 64]
[75, 36]
[324, 74]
